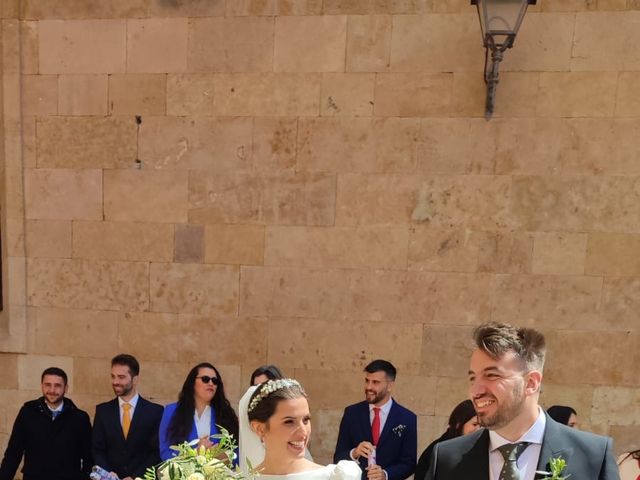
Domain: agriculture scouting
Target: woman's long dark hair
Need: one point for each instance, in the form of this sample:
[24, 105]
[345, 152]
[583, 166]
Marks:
[561, 414]
[182, 420]
[460, 415]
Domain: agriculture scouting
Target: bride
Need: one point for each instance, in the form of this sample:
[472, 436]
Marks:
[278, 413]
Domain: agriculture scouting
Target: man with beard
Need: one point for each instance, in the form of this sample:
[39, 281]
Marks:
[125, 429]
[52, 433]
[519, 441]
[380, 434]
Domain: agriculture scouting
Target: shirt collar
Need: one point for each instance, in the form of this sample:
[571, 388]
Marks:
[534, 435]
[133, 402]
[57, 409]
[383, 408]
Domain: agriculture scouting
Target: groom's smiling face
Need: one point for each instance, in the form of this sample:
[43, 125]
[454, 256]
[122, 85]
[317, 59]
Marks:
[497, 388]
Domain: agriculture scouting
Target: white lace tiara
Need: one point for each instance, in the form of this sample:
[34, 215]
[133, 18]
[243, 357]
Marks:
[272, 386]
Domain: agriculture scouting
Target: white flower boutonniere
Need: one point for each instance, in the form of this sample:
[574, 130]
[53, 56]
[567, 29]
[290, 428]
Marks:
[398, 429]
[557, 466]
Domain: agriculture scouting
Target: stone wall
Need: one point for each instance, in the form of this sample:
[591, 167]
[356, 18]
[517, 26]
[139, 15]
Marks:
[312, 183]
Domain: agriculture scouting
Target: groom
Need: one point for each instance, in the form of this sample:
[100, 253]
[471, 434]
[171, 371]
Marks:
[520, 440]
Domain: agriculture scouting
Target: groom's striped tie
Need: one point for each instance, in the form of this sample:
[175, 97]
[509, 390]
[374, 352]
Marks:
[511, 452]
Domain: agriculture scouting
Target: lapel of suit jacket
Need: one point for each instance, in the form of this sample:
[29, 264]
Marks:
[364, 420]
[392, 421]
[552, 446]
[113, 420]
[475, 463]
[138, 415]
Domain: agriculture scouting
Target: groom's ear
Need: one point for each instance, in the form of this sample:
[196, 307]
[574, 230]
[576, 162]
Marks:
[534, 382]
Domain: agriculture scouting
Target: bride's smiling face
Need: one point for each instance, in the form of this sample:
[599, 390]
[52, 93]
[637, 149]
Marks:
[287, 431]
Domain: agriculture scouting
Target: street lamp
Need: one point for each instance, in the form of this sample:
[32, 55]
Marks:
[500, 21]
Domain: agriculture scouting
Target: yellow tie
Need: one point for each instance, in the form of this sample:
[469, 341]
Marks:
[126, 418]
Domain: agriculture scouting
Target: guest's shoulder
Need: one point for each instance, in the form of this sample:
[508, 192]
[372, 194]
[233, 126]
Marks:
[403, 410]
[356, 407]
[152, 406]
[101, 407]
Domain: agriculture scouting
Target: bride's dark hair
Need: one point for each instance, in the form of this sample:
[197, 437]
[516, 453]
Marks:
[182, 420]
[268, 402]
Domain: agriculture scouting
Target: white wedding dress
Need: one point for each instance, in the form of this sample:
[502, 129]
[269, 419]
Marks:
[344, 470]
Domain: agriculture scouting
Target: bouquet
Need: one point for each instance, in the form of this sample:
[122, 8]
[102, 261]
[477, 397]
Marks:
[191, 463]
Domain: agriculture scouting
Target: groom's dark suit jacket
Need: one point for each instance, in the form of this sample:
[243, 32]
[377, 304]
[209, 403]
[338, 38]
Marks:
[588, 456]
[128, 457]
[396, 449]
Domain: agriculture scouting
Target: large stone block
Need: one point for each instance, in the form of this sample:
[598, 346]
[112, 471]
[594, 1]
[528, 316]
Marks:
[547, 301]
[9, 372]
[310, 44]
[446, 350]
[268, 94]
[234, 244]
[189, 244]
[123, 241]
[231, 44]
[157, 331]
[194, 288]
[334, 391]
[274, 7]
[400, 6]
[620, 303]
[192, 8]
[324, 434]
[603, 41]
[616, 405]
[81, 9]
[577, 94]
[368, 43]
[83, 95]
[30, 368]
[145, 196]
[77, 333]
[183, 143]
[274, 143]
[82, 46]
[92, 377]
[157, 45]
[29, 47]
[628, 95]
[39, 95]
[450, 392]
[417, 393]
[559, 253]
[60, 194]
[88, 284]
[347, 7]
[284, 199]
[434, 249]
[48, 238]
[86, 142]
[576, 203]
[162, 380]
[137, 94]
[567, 5]
[336, 247]
[413, 95]
[347, 94]
[337, 345]
[436, 43]
[580, 397]
[237, 341]
[613, 254]
[190, 94]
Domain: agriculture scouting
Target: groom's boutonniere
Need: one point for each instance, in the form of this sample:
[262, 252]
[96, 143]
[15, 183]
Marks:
[398, 429]
[557, 466]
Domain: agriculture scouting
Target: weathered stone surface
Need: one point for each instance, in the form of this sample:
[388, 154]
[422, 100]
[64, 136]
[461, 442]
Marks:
[368, 43]
[137, 94]
[78, 333]
[158, 331]
[286, 199]
[145, 196]
[60, 194]
[446, 350]
[336, 247]
[184, 143]
[545, 301]
[157, 45]
[91, 377]
[193, 288]
[559, 253]
[400, 6]
[347, 94]
[231, 44]
[347, 7]
[568, 5]
[613, 254]
[577, 94]
[452, 43]
[274, 143]
[357, 145]
[89, 284]
[192, 8]
[310, 43]
[48, 238]
[628, 95]
[39, 95]
[417, 392]
[340, 345]
[189, 244]
[123, 241]
[234, 244]
[576, 203]
[274, 7]
[450, 391]
[324, 434]
[190, 94]
[82, 46]
[82, 95]
[30, 368]
[413, 95]
[9, 371]
[616, 405]
[580, 397]
[620, 303]
[269, 94]
[29, 47]
[447, 6]
[347, 387]
[86, 142]
[81, 9]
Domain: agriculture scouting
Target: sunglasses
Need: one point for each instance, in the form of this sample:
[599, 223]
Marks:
[208, 379]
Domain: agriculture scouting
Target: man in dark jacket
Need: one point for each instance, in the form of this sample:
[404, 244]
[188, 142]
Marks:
[52, 434]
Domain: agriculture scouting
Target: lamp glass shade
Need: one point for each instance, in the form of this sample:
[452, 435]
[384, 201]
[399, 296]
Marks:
[501, 18]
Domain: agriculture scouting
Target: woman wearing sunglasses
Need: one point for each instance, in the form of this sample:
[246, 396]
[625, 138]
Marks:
[201, 406]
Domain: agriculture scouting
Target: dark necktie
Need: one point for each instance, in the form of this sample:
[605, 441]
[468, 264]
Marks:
[375, 425]
[511, 452]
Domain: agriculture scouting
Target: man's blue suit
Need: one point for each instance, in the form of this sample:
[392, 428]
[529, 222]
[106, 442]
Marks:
[588, 456]
[396, 449]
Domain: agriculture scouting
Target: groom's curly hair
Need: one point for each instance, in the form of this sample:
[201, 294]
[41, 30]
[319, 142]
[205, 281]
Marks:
[497, 339]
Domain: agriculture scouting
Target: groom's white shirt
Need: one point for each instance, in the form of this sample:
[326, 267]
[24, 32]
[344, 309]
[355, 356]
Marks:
[528, 461]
